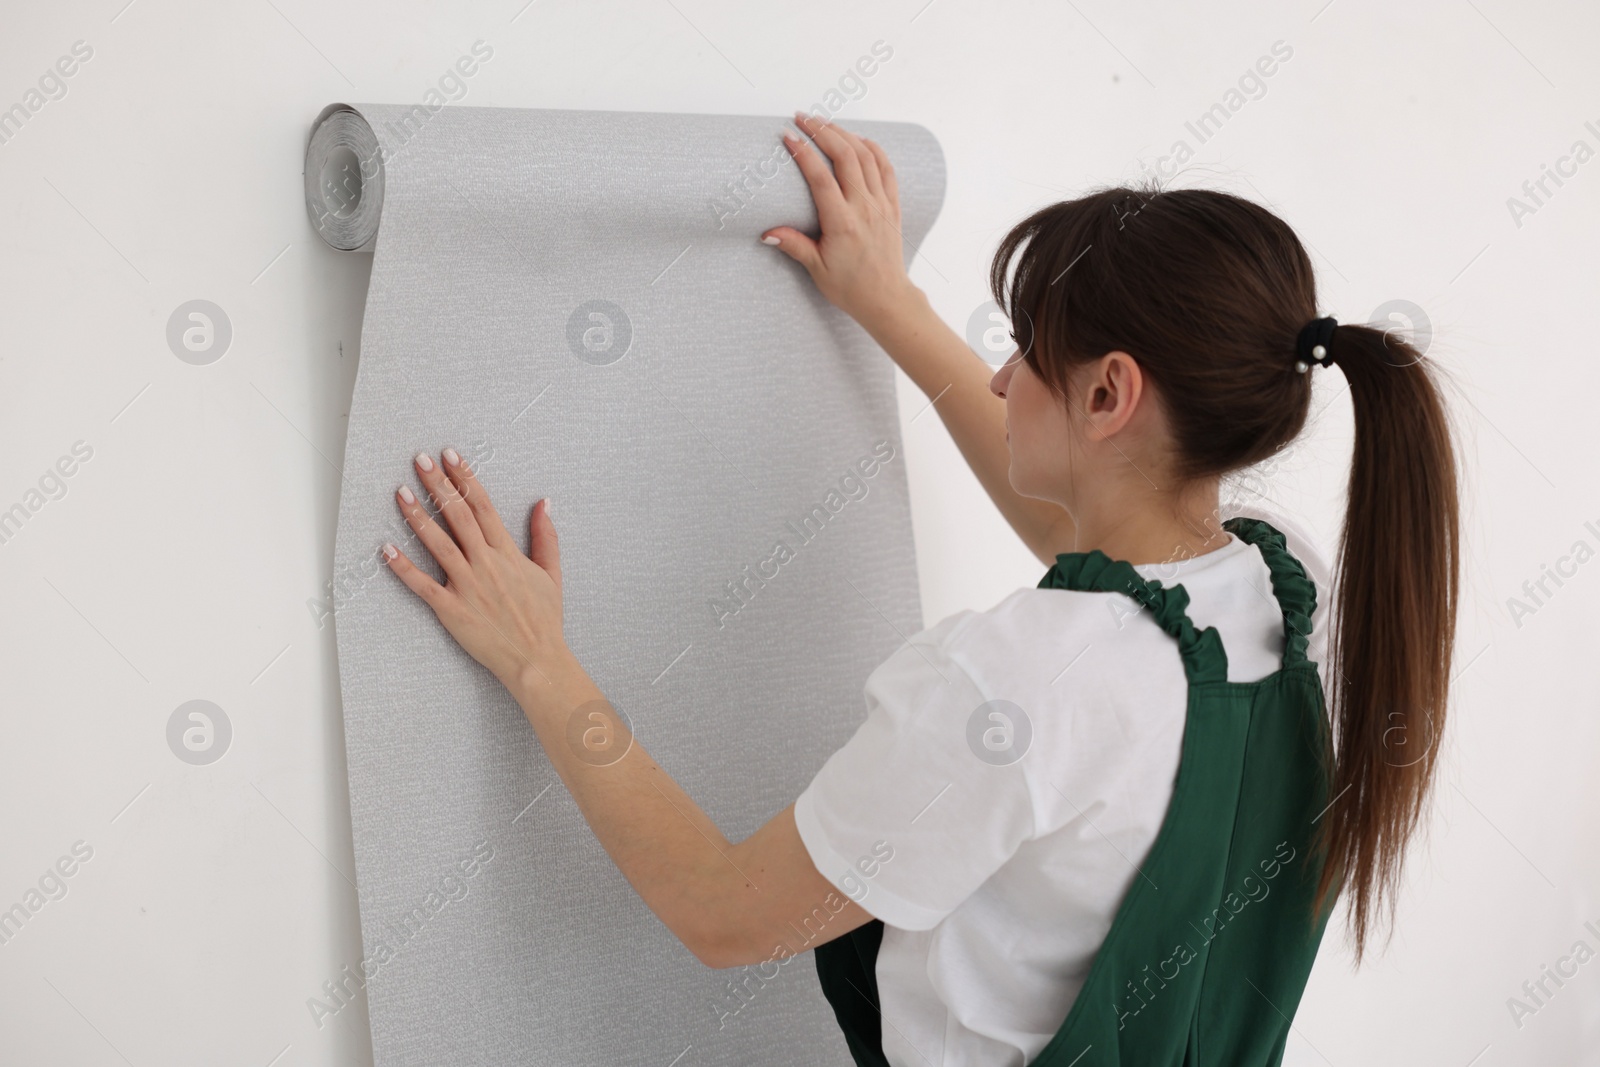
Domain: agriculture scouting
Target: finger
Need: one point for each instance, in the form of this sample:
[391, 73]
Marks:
[824, 187]
[869, 162]
[477, 498]
[891, 185]
[846, 164]
[545, 552]
[796, 245]
[419, 583]
[454, 509]
[438, 543]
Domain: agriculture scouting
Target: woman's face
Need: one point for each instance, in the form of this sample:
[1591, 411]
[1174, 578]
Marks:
[1045, 446]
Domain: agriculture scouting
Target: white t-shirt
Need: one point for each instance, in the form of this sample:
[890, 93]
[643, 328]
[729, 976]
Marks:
[997, 881]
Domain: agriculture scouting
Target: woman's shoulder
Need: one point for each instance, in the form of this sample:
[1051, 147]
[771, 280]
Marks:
[1028, 615]
[1018, 617]
[1030, 637]
[1030, 626]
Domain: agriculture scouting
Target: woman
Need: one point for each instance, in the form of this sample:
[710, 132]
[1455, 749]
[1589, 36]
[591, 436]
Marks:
[1106, 820]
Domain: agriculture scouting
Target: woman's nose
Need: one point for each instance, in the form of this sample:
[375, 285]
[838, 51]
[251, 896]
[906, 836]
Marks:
[1002, 378]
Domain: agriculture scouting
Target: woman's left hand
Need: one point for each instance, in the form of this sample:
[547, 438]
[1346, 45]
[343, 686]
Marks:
[503, 607]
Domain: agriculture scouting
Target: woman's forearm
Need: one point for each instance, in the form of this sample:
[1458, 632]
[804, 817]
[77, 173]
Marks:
[957, 382]
[729, 903]
[680, 864]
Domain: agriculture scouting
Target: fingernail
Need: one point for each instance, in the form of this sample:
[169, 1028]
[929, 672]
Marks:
[390, 551]
[547, 507]
[451, 457]
[423, 462]
[771, 240]
[407, 495]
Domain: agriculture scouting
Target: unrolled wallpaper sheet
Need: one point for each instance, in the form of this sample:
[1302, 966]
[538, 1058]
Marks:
[579, 303]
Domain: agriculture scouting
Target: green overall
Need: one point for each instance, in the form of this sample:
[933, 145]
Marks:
[1209, 952]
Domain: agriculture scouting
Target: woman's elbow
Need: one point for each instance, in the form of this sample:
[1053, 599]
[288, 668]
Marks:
[720, 949]
[714, 956]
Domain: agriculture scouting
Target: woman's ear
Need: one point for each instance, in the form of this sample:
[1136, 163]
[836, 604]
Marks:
[1111, 390]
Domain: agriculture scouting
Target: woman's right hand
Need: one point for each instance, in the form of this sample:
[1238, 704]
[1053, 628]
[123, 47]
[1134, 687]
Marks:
[858, 263]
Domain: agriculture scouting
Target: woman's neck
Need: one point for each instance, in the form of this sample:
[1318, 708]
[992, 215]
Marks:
[1153, 528]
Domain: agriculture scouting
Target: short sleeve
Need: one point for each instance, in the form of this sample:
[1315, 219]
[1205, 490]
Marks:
[920, 806]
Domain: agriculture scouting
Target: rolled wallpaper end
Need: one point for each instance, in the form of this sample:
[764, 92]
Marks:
[344, 179]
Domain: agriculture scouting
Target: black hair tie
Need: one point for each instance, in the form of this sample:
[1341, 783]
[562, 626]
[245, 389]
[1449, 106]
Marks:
[1311, 347]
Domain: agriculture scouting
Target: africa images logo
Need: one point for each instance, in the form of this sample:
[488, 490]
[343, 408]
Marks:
[740, 591]
[386, 936]
[1253, 887]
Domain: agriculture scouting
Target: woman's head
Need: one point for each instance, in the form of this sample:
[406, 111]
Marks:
[1205, 291]
[1193, 300]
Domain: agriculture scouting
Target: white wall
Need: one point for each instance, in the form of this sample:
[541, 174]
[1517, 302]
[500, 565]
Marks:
[179, 564]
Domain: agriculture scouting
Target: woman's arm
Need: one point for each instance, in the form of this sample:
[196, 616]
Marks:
[858, 265]
[729, 904]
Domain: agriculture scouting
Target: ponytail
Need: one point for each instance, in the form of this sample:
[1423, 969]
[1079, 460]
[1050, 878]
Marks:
[1390, 652]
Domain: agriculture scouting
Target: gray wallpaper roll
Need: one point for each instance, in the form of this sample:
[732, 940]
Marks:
[578, 302]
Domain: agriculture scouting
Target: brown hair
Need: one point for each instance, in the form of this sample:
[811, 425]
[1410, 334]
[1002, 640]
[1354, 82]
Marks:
[1209, 292]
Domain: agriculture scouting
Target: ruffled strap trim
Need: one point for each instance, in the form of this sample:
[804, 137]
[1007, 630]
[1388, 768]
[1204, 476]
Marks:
[1295, 591]
[1203, 657]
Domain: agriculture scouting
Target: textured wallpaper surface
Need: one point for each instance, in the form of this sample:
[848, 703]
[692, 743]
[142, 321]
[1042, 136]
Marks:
[578, 302]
